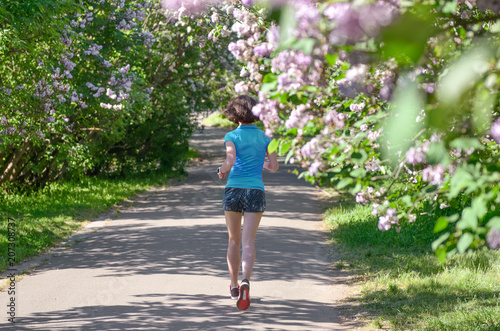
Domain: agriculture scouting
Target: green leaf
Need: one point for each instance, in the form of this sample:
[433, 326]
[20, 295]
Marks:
[331, 58]
[494, 222]
[407, 200]
[356, 189]
[441, 224]
[284, 147]
[464, 74]
[407, 39]
[305, 45]
[344, 182]
[441, 254]
[466, 143]
[359, 156]
[268, 78]
[479, 206]
[450, 7]
[266, 87]
[287, 22]
[464, 242]
[288, 156]
[358, 173]
[436, 243]
[469, 220]
[460, 180]
[484, 103]
[438, 153]
[273, 146]
[401, 126]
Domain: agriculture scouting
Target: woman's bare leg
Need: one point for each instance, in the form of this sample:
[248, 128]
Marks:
[250, 227]
[233, 223]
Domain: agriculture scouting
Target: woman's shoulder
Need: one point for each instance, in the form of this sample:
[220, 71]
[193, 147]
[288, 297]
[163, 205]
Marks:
[231, 134]
[263, 134]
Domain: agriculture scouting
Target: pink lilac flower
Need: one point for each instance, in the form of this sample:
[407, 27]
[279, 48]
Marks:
[314, 168]
[433, 174]
[495, 130]
[388, 220]
[74, 97]
[247, 3]
[372, 165]
[215, 17]
[307, 17]
[357, 107]
[493, 238]
[352, 24]
[263, 49]
[310, 148]
[361, 198]
[241, 87]
[193, 7]
[297, 118]
[415, 156]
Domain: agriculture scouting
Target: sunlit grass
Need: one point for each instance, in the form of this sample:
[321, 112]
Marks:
[47, 217]
[220, 120]
[403, 286]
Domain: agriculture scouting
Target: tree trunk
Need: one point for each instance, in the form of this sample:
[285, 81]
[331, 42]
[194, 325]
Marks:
[9, 172]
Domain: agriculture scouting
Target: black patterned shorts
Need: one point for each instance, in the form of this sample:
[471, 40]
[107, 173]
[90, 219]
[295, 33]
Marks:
[244, 200]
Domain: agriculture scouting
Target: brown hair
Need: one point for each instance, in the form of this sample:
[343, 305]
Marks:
[239, 110]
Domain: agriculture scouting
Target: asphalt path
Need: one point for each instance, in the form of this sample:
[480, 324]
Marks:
[160, 263]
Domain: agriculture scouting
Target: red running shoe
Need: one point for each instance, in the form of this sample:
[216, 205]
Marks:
[244, 299]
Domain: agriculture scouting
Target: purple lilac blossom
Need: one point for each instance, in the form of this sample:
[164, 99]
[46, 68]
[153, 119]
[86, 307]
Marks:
[247, 3]
[352, 24]
[433, 174]
[314, 168]
[307, 16]
[357, 107]
[334, 118]
[387, 221]
[415, 156]
[263, 49]
[310, 148]
[297, 118]
[361, 198]
[193, 7]
[495, 131]
[493, 238]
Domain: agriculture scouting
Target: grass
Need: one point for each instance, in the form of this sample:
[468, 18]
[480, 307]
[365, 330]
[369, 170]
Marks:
[218, 119]
[45, 218]
[403, 286]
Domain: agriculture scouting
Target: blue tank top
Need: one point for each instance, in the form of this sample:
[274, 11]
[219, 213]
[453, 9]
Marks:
[251, 146]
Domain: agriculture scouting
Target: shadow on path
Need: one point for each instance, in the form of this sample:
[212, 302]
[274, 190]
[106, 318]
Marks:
[161, 264]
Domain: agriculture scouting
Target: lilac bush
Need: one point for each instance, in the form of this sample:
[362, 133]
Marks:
[77, 84]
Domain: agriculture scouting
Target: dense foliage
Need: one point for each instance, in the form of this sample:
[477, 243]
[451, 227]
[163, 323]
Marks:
[394, 102]
[95, 86]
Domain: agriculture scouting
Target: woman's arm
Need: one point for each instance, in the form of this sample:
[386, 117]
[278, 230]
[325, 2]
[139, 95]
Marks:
[272, 164]
[230, 159]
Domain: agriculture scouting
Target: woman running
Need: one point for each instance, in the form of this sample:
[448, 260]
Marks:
[246, 151]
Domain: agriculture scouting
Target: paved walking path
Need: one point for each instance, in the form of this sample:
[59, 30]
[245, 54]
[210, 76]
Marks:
[160, 264]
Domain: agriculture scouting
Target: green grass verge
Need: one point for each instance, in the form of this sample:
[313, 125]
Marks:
[220, 120]
[403, 286]
[49, 216]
